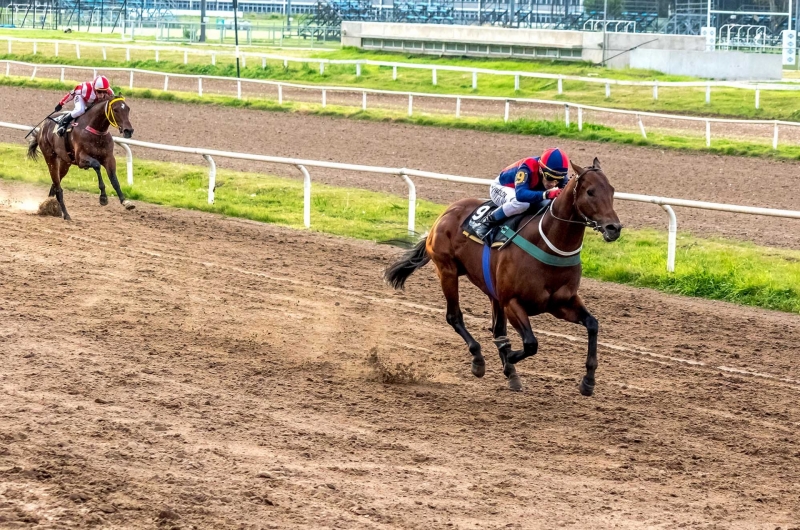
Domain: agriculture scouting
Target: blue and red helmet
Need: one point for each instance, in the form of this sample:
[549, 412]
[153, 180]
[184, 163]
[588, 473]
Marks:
[554, 163]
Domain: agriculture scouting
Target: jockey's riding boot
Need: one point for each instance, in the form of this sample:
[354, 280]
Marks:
[483, 228]
[63, 123]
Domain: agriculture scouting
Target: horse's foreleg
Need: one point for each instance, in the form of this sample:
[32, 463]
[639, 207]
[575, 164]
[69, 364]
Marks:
[449, 280]
[501, 340]
[111, 171]
[94, 164]
[519, 319]
[574, 311]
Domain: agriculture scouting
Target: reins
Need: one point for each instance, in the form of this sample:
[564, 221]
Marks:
[112, 120]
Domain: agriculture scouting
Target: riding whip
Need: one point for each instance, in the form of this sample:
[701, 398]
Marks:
[37, 126]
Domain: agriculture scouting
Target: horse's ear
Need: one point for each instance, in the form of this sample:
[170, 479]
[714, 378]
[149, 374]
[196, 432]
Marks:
[596, 163]
[576, 168]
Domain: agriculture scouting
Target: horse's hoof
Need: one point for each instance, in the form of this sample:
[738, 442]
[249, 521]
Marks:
[515, 383]
[103, 200]
[479, 368]
[586, 388]
[67, 218]
[128, 204]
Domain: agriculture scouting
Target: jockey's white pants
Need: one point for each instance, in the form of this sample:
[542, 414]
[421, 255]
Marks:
[80, 106]
[506, 198]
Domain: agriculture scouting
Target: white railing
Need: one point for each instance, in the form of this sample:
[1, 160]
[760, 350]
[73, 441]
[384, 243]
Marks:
[280, 85]
[208, 154]
[358, 63]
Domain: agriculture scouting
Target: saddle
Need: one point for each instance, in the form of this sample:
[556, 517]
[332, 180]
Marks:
[495, 237]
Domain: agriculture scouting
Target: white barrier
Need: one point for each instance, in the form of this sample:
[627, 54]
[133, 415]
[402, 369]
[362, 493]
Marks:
[637, 115]
[405, 174]
[358, 63]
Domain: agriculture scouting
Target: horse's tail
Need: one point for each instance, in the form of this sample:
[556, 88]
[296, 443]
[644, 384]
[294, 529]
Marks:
[397, 274]
[33, 145]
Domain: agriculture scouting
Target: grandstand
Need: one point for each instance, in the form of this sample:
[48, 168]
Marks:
[57, 14]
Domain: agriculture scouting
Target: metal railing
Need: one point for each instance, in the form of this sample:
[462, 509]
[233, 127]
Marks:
[456, 99]
[406, 174]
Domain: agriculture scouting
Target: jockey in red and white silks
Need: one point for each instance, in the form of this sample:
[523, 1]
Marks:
[83, 96]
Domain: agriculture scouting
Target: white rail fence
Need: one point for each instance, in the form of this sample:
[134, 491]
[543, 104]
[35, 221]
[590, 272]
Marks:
[637, 116]
[756, 86]
[406, 174]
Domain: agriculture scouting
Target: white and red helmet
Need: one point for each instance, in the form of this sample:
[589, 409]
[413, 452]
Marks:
[101, 84]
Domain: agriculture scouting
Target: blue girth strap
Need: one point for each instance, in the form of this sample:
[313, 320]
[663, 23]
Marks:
[487, 270]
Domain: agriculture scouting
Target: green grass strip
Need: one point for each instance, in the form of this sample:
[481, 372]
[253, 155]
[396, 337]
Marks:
[590, 132]
[725, 102]
[719, 269]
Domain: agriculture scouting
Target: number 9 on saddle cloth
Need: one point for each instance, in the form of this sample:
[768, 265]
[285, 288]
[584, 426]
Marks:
[496, 236]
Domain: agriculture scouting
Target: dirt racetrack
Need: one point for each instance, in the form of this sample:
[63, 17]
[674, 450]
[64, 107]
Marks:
[733, 180]
[172, 369]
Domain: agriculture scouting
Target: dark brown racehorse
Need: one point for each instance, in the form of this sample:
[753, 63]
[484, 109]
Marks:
[523, 285]
[89, 145]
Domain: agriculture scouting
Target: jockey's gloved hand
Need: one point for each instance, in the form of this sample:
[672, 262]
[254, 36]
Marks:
[59, 107]
[552, 194]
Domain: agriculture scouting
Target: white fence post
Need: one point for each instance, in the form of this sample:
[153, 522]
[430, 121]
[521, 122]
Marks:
[505, 114]
[580, 118]
[166, 83]
[78, 51]
[758, 97]
[128, 163]
[321, 68]
[105, 55]
[185, 57]
[127, 54]
[775, 136]
[33, 75]
[672, 237]
[655, 90]
[708, 94]
[285, 64]
[280, 94]
[641, 126]
[412, 202]
[433, 75]
[244, 61]
[263, 63]
[94, 73]
[34, 47]
[560, 85]
[394, 73]
[363, 101]
[458, 107]
[306, 196]
[608, 90]
[474, 80]
[157, 55]
[566, 115]
[212, 178]
[213, 59]
[324, 98]
[8, 68]
[358, 69]
[516, 83]
[708, 133]
[62, 75]
[410, 104]
[200, 86]
[238, 89]
[130, 84]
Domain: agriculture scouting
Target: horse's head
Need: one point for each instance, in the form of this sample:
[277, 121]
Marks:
[118, 116]
[594, 200]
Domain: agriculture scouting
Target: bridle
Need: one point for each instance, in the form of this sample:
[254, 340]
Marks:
[586, 222]
[112, 120]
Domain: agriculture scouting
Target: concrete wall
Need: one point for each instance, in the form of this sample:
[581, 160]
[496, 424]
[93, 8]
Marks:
[723, 65]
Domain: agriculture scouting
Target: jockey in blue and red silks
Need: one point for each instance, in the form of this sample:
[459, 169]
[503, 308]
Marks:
[84, 96]
[527, 183]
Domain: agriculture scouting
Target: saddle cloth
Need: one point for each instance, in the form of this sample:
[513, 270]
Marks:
[495, 238]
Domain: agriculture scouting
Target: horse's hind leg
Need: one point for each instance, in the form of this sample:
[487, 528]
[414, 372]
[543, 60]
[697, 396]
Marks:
[449, 279]
[519, 319]
[501, 340]
[57, 173]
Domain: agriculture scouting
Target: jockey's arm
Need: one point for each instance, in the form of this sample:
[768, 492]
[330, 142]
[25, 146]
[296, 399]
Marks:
[80, 107]
[66, 98]
[523, 183]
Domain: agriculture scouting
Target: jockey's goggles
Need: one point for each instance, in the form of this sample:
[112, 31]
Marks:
[553, 177]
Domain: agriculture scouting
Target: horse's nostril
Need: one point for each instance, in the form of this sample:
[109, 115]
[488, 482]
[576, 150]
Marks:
[612, 228]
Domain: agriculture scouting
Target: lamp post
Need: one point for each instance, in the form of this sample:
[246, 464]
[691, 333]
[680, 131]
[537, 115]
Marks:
[202, 20]
[605, 16]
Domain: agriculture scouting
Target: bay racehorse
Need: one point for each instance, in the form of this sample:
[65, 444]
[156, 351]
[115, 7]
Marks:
[521, 282]
[88, 145]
